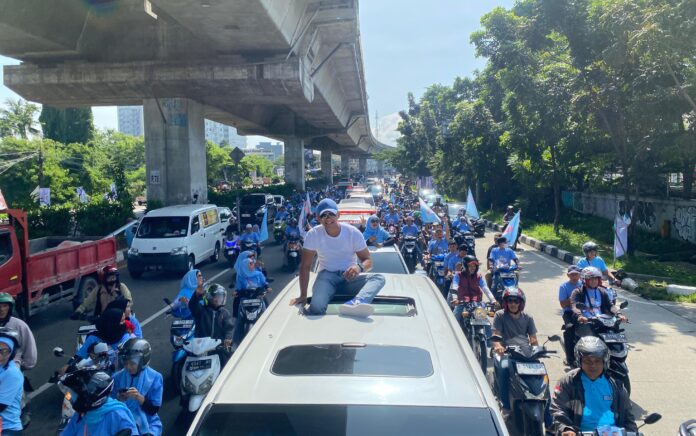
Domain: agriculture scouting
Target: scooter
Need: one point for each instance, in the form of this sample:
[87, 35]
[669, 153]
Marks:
[200, 370]
[607, 328]
[252, 305]
[409, 252]
[529, 384]
[437, 271]
[479, 227]
[477, 327]
[504, 277]
[231, 250]
[180, 331]
[294, 252]
[248, 245]
[619, 431]
[279, 230]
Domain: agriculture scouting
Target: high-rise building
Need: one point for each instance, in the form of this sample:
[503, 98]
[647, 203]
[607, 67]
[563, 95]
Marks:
[276, 149]
[237, 140]
[130, 120]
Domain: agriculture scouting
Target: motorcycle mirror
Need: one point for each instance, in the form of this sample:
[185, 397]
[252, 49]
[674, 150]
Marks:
[554, 338]
[651, 419]
[623, 305]
[58, 352]
[496, 338]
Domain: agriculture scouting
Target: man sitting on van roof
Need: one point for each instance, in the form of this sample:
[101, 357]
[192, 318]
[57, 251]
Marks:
[337, 245]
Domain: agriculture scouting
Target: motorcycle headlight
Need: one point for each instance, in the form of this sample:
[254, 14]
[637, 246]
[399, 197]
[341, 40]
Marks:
[178, 250]
[206, 385]
[133, 251]
[480, 313]
[189, 387]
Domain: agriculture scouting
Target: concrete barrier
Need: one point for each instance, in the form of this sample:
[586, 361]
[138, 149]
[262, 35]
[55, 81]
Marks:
[680, 290]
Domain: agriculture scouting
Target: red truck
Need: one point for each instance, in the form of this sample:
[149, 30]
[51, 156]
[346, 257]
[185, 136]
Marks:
[43, 272]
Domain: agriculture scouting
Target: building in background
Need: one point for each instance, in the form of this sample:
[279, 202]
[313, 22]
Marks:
[276, 149]
[130, 120]
[237, 140]
[259, 152]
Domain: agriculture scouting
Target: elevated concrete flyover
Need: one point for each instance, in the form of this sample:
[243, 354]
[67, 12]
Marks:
[290, 70]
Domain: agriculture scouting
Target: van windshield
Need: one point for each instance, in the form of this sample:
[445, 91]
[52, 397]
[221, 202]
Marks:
[163, 227]
[254, 200]
[342, 420]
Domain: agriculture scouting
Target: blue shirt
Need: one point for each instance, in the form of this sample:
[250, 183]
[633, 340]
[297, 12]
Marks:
[108, 419]
[593, 301]
[437, 247]
[289, 230]
[255, 280]
[598, 399]
[253, 236]
[451, 260]
[565, 290]
[461, 226]
[597, 262]
[149, 383]
[410, 230]
[502, 255]
[11, 388]
[113, 348]
[282, 215]
[392, 218]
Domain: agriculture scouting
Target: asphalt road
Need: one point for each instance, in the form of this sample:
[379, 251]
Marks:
[660, 360]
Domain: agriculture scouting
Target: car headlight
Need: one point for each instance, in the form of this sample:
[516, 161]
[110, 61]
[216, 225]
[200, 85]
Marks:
[178, 250]
[480, 313]
[133, 251]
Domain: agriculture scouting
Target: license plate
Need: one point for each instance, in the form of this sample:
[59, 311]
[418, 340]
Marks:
[246, 215]
[293, 254]
[614, 337]
[251, 302]
[230, 251]
[479, 321]
[531, 368]
[198, 365]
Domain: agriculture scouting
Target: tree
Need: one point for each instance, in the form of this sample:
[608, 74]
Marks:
[17, 118]
[71, 125]
[254, 162]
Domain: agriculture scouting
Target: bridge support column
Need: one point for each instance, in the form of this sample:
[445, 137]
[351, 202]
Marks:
[326, 168]
[175, 153]
[362, 166]
[345, 165]
[294, 162]
[380, 168]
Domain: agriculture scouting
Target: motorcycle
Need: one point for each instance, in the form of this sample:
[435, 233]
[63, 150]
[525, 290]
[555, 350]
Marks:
[231, 250]
[409, 252]
[294, 252]
[606, 327]
[477, 328]
[248, 245]
[619, 431]
[504, 277]
[437, 271]
[529, 384]
[180, 331]
[201, 368]
[468, 239]
[479, 227]
[252, 305]
[279, 230]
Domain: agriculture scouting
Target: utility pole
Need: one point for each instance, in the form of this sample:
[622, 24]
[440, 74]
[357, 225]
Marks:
[41, 162]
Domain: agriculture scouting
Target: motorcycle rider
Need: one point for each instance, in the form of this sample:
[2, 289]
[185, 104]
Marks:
[392, 216]
[590, 250]
[564, 293]
[248, 277]
[489, 265]
[595, 298]
[502, 256]
[470, 286]
[97, 413]
[375, 235]
[11, 383]
[438, 245]
[509, 214]
[291, 230]
[110, 289]
[189, 283]
[131, 322]
[282, 214]
[26, 354]
[213, 319]
[462, 224]
[585, 398]
[516, 328]
[250, 235]
[139, 386]
[111, 329]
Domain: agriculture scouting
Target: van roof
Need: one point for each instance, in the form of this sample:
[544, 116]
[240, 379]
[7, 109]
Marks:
[453, 381]
[179, 210]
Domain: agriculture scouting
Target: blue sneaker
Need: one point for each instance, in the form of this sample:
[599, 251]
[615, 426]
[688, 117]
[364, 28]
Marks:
[356, 307]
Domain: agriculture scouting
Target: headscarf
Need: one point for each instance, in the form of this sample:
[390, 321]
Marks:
[241, 266]
[109, 327]
[371, 231]
[188, 284]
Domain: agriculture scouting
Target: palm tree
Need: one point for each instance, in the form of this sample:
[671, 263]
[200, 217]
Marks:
[18, 118]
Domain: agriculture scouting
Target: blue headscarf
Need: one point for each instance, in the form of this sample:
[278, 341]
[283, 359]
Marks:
[241, 265]
[247, 278]
[379, 232]
[188, 285]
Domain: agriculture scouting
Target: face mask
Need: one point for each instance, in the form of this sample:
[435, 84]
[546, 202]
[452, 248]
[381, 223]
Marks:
[505, 245]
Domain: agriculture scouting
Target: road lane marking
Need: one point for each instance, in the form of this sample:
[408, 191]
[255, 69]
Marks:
[153, 317]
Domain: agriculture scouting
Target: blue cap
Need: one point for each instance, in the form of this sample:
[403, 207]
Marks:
[327, 205]
[9, 342]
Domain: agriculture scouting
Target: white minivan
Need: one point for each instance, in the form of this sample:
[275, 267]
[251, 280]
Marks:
[176, 238]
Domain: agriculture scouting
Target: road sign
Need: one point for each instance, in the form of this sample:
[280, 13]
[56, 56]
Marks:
[237, 155]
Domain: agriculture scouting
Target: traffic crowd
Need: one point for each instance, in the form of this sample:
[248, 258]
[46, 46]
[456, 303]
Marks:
[113, 391]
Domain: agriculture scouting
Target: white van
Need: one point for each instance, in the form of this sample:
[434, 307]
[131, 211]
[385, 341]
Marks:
[176, 238]
[406, 370]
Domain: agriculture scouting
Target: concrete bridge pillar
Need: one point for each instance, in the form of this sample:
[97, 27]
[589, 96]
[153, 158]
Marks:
[175, 153]
[380, 168]
[345, 165]
[326, 168]
[294, 162]
[362, 166]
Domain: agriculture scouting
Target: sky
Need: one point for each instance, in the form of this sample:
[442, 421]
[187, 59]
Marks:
[407, 46]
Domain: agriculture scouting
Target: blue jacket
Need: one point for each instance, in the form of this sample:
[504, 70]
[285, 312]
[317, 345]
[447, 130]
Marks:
[149, 383]
[112, 417]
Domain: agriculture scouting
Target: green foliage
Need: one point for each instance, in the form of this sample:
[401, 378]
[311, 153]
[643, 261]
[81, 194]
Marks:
[100, 217]
[70, 125]
[17, 119]
[56, 220]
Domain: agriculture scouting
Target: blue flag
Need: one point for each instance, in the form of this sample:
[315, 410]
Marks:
[264, 227]
[513, 228]
[427, 214]
[471, 206]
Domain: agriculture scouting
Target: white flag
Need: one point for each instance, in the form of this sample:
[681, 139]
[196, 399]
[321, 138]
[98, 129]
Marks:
[82, 195]
[45, 196]
[621, 235]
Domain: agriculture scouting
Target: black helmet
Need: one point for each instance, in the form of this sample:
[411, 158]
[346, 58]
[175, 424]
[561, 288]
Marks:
[591, 346]
[12, 335]
[213, 290]
[589, 246]
[90, 388]
[500, 240]
[293, 222]
[137, 350]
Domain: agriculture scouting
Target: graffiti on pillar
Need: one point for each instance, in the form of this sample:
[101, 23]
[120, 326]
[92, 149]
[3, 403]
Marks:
[176, 111]
[577, 202]
[685, 223]
[643, 214]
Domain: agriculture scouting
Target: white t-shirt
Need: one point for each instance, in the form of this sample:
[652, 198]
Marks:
[335, 253]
